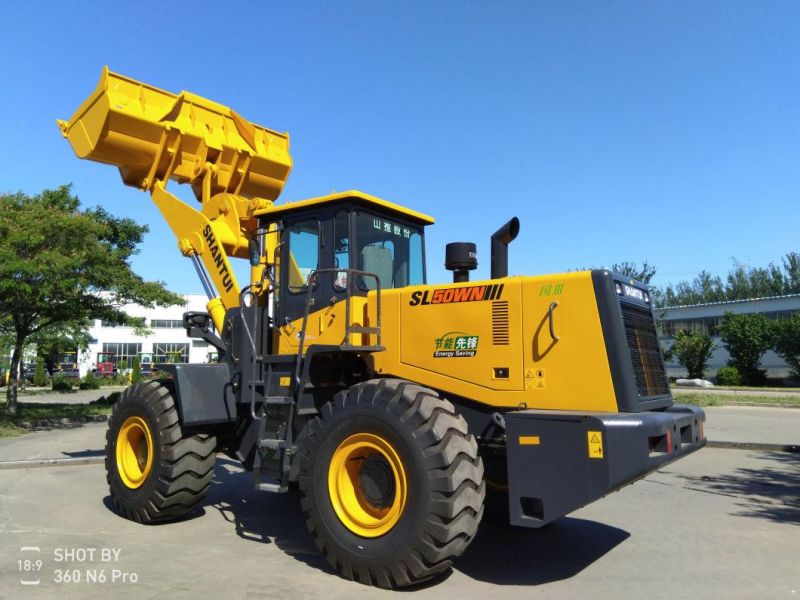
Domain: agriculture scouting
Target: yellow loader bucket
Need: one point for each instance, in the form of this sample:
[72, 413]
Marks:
[153, 135]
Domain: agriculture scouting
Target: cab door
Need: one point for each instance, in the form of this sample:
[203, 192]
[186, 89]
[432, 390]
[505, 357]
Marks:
[301, 254]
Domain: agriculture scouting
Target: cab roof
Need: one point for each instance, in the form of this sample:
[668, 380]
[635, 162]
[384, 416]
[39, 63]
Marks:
[366, 200]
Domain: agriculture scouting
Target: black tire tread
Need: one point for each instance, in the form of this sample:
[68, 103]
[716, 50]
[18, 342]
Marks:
[185, 470]
[455, 472]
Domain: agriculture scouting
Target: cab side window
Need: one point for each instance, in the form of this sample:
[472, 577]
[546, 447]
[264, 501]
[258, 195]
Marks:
[341, 249]
[416, 274]
[378, 258]
[303, 253]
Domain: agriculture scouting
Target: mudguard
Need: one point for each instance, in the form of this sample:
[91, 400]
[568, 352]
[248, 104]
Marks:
[203, 392]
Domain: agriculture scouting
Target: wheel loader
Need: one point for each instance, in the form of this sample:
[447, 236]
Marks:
[67, 365]
[392, 403]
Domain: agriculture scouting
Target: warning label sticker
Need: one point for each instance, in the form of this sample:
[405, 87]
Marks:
[534, 379]
[595, 444]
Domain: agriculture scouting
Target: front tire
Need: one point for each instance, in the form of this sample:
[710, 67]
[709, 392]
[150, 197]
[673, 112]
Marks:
[391, 483]
[155, 471]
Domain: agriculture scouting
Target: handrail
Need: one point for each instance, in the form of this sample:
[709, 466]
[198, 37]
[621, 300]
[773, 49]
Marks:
[553, 306]
[253, 337]
[348, 296]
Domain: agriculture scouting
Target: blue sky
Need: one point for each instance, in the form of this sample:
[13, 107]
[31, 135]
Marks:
[665, 131]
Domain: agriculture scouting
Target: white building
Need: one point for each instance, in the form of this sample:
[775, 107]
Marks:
[708, 317]
[166, 337]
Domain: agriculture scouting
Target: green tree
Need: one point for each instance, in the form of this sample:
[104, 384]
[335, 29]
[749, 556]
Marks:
[787, 343]
[692, 349]
[729, 376]
[742, 282]
[60, 265]
[643, 273]
[90, 382]
[52, 344]
[39, 378]
[747, 337]
[174, 356]
[791, 269]
[136, 372]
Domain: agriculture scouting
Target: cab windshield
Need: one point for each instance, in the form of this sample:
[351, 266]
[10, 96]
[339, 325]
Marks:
[390, 248]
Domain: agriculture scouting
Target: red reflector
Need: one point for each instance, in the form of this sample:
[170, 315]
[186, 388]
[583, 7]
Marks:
[669, 442]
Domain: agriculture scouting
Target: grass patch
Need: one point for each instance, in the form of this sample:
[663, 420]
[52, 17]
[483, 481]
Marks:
[739, 388]
[701, 399]
[742, 388]
[32, 411]
[9, 429]
[41, 391]
[49, 390]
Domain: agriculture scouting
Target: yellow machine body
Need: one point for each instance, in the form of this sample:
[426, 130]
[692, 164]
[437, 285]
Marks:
[326, 325]
[508, 357]
[379, 204]
[235, 167]
[551, 388]
[153, 135]
[501, 352]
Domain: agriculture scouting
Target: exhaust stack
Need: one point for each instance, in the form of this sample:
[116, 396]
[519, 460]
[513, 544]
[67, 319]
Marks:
[500, 241]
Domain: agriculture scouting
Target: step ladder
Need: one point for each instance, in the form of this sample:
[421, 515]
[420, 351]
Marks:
[275, 445]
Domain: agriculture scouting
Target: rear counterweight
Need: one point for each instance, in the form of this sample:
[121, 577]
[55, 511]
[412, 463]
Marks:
[559, 461]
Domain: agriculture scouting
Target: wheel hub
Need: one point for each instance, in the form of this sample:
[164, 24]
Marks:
[367, 485]
[134, 452]
[377, 481]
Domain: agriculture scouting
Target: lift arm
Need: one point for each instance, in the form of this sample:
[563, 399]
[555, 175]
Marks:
[234, 167]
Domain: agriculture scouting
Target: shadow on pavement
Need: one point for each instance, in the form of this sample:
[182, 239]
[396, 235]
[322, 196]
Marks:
[499, 554]
[771, 492]
[262, 517]
[109, 504]
[505, 555]
[85, 453]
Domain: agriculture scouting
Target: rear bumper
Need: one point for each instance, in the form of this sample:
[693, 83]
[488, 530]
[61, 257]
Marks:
[559, 461]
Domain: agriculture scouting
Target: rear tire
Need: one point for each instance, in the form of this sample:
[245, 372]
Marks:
[155, 471]
[427, 513]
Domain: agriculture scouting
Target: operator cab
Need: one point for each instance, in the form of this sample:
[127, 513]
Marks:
[344, 231]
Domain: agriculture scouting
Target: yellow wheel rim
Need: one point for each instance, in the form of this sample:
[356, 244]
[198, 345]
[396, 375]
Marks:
[367, 485]
[134, 452]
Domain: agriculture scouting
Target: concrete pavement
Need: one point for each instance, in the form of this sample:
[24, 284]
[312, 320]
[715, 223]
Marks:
[717, 524]
[753, 424]
[73, 397]
[68, 442]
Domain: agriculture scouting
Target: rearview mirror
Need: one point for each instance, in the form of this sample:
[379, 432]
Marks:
[255, 253]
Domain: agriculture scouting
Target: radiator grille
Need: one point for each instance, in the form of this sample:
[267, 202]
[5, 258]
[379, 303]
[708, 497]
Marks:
[648, 366]
[500, 323]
